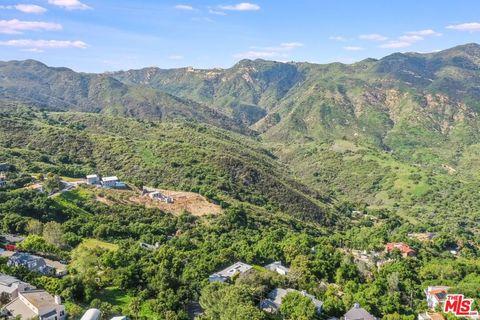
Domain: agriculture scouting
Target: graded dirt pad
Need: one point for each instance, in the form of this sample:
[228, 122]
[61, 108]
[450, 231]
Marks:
[194, 203]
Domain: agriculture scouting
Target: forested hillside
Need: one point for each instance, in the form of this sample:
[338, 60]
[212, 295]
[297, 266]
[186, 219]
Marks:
[316, 166]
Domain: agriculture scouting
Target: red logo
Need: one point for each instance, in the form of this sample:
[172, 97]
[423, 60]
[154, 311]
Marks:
[459, 306]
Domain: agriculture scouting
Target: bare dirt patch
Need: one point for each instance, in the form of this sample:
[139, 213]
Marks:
[194, 203]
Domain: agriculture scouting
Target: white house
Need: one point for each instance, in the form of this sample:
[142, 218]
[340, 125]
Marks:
[436, 295]
[278, 267]
[35, 304]
[228, 273]
[93, 179]
[110, 182]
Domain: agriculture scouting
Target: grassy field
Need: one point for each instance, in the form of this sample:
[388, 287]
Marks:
[92, 243]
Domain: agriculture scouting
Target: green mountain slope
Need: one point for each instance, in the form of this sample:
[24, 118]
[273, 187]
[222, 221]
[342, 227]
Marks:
[247, 91]
[385, 132]
[61, 89]
[219, 164]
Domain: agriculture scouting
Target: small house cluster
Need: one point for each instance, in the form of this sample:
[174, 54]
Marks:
[156, 195]
[105, 182]
[27, 302]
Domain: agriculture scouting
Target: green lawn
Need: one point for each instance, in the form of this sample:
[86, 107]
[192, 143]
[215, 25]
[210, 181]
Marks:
[92, 243]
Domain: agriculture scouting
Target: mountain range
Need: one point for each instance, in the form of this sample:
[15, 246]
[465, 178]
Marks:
[388, 133]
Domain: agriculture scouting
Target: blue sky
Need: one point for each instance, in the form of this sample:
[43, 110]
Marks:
[97, 36]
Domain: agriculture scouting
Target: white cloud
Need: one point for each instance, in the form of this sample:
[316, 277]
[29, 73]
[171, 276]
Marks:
[30, 8]
[425, 32]
[176, 57]
[25, 8]
[15, 26]
[281, 52]
[36, 50]
[372, 37]
[244, 6]
[216, 12]
[70, 4]
[44, 44]
[337, 38]
[353, 48]
[410, 38]
[202, 19]
[471, 26]
[185, 7]
[395, 44]
[291, 45]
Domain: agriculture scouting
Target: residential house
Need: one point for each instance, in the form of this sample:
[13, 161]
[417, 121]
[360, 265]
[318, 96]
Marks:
[278, 268]
[431, 316]
[110, 182]
[274, 301]
[11, 286]
[60, 268]
[228, 273]
[436, 295]
[402, 247]
[10, 239]
[35, 304]
[31, 262]
[93, 179]
[358, 313]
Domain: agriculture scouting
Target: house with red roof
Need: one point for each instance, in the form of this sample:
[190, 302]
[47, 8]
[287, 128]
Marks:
[404, 248]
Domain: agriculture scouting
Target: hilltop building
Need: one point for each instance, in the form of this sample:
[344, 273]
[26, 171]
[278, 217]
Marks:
[92, 179]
